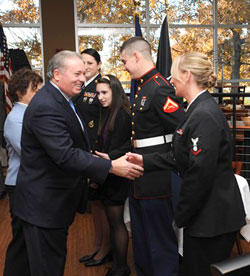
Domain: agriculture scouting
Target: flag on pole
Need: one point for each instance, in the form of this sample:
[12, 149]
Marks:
[164, 59]
[5, 67]
[138, 32]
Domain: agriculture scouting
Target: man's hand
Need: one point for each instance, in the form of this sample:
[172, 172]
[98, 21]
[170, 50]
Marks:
[123, 168]
[102, 154]
[135, 158]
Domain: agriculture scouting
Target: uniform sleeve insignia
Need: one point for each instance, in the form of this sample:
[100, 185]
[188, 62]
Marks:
[170, 106]
[195, 149]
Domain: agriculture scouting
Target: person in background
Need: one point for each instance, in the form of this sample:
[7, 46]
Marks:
[89, 107]
[210, 207]
[23, 85]
[114, 141]
[156, 112]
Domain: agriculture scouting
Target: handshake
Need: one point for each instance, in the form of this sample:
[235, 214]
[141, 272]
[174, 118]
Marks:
[129, 165]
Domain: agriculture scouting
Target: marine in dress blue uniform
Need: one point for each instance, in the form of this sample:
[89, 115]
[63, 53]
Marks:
[156, 112]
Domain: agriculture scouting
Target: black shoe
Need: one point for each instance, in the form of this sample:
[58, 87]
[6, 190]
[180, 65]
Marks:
[109, 272]
[105, 259]
[88, 257]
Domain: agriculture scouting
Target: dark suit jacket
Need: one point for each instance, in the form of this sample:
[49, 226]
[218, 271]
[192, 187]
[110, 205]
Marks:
[116, 144]
[210, 202]
[55, 159]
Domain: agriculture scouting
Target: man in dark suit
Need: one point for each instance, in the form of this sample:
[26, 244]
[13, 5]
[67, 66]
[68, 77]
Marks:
[55, 163]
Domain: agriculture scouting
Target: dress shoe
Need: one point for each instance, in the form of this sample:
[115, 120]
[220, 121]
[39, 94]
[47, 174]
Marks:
[109, 272]
[88, 257]
[105, 259]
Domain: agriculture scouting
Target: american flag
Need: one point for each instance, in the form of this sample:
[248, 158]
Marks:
[5, 67]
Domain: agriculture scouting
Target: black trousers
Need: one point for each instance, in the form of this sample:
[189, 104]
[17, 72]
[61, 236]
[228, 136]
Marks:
[154, 241]
[199, 253]
[15, 264]
[39, 252]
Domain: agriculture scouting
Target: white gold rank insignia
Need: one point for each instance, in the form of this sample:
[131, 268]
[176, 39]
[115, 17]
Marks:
[143, 100]
[91, 100]
[91, 124]
[84, 99]
[195, 149]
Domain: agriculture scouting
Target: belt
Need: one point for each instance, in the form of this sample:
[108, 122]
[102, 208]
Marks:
[153, 141]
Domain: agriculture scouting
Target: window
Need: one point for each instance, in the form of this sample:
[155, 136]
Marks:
[21, 23]
[205, 26]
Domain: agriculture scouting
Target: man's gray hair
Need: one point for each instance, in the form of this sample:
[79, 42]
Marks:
[58, 61]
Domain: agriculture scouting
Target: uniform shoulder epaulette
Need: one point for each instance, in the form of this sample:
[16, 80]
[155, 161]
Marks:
[160, 80]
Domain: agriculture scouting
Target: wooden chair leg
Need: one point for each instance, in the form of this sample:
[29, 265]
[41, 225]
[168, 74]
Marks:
[238, 244]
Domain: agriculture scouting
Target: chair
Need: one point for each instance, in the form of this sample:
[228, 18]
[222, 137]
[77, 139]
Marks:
[237, 165]
[239, 265]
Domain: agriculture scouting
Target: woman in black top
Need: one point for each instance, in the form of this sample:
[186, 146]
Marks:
[114, 141]
[89, 107]
[210, 207]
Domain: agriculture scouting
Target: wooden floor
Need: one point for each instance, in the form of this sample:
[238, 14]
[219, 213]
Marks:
[79, 243]
[80, 239]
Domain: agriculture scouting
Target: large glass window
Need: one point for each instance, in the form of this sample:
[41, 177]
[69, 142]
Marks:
[192, 27]
[21, 22]
[233, 51]
[207, 26]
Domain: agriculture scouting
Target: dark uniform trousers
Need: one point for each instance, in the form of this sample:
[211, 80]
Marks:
[156, 112]
[201, 252]
[152, 230]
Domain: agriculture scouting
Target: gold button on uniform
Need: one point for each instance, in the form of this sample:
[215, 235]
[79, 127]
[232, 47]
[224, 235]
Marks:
[134, 105]
[141, 108]
[133, 123]
[133, 132]
[139, 88]
[133, 114]
[136, 96]
[91, 124]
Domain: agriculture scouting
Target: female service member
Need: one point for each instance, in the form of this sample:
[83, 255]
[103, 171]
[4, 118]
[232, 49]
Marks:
[210, 207]
[88, 106]
[114, 141]
[22, 87]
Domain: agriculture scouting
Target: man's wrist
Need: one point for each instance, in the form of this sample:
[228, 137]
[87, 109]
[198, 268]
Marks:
[111, 167]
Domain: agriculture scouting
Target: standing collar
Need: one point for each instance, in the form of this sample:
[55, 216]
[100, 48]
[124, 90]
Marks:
[148, 75]
[195, 98]
[86, 83]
